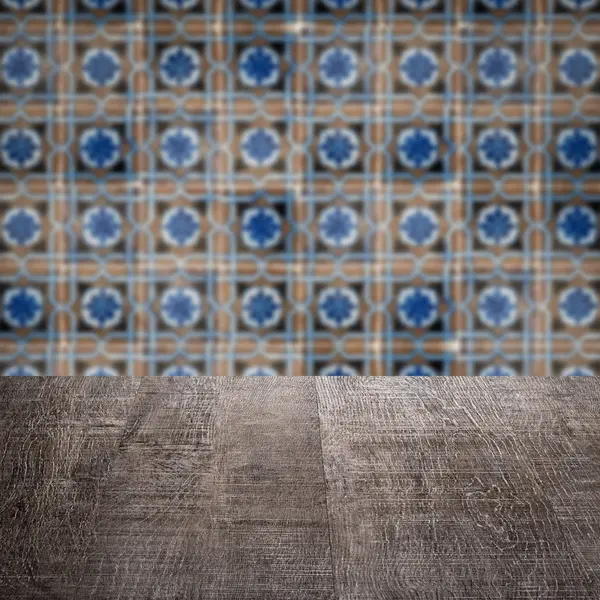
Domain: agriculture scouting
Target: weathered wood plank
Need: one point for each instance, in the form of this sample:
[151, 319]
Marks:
[218, 492]
[463, 488]
[58, 440]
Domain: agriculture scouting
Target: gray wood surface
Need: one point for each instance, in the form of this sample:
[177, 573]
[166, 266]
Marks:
[299, 488]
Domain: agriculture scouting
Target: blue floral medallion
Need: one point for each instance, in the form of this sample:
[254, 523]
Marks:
[577, 226]
[339, 148]
[101, 67]
[262, 307]
[498, 225]
[180, 306]
[419, 67]
[498, 68]
[261, 147]
[21, 227]
[418, 148]
[578, 306]
[102, 227]
[498, 306]
[338, 67]
[102, 307]
[100, 148]
[180, 227]
[338, 226]
[338, 307]
[259, 67]
[21, 67]
[180, 66]
[22, 307]
[418, 307]
[419, 227]
[577, 148]
[261, 228]
[21, 148]
[497, 148]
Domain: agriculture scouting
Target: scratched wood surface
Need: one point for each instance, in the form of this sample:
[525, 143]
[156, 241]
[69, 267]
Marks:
[299, 488]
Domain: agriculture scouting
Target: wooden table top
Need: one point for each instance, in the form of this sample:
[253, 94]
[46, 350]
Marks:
[299, 488]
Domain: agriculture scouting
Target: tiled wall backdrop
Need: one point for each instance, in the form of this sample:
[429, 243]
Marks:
[299, 187]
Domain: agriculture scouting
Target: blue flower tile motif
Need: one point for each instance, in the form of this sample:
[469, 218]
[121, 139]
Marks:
[497, 225]
[180, 147]
[340, 4]
[259, 66]
[419, 67]
[101, 4]
[21, 148]
[338, 371]
[339, 148]
[577, 372]
[418, 147]
[498, 371]
[578, 67]
[261, 228]
[181, 307]
[338, 67]
[179, 4]
[21, 67]
[500, 4]
[180, 227]
[261, 147]
[180, 66]
[101, 372]
[259, 4]
[497, 148]
[577, 226]
[417, 371]
[21, 371]
[101, 307]
[419, 227]
[100, 147]
[21, 227]
[418, 307]
[498, 306]
[22, 307]
[101, 227]
[498, 68]
[262, 307]
[579, 4]
[578, 306]
[260, 372]
[338, 226]
[419, 5]
[21, 4]
[101, 67]
[577, 148]
[180, 371]
[338, 307]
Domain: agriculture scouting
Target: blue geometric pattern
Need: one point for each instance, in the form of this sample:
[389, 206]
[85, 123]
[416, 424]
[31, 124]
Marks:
[299, 187]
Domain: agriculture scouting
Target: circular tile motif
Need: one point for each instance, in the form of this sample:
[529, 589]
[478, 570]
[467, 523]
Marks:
[100, 4]
[101, 67]
[418, 148]
[180, 66]
[262, 307]
[101, 372]
[21, 227]
[21, 67]
[577, 226]
[417, 371]
[338, 226]
[419, 4]
[500, 4]
[418, 307]
[577, 372]
[180, 371]
[259, 4]
[498, 306]
[22, 307]
[419, 227]
[577, 148]
[101, 227]
[21, 4]
[578, 306]
[578, 67]
[339, 148]
[180, 226]
[21, 371]
[102, 308]
[179, 4]
[21, 148]
[180, 306]
[498, 371]
[261, 147]
[100, 148]
[497, 226]
[579, 4]
[260, 372]
[338, 67]
[338, 371]
[259, 66]
[180, 147]
[338, 308]
[340, 4]
[497, 149]
[419, 67]
[498, 67]
[261, 228]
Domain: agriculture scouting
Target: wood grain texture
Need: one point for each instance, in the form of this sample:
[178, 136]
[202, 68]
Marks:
[461, 488]
[299, 488]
